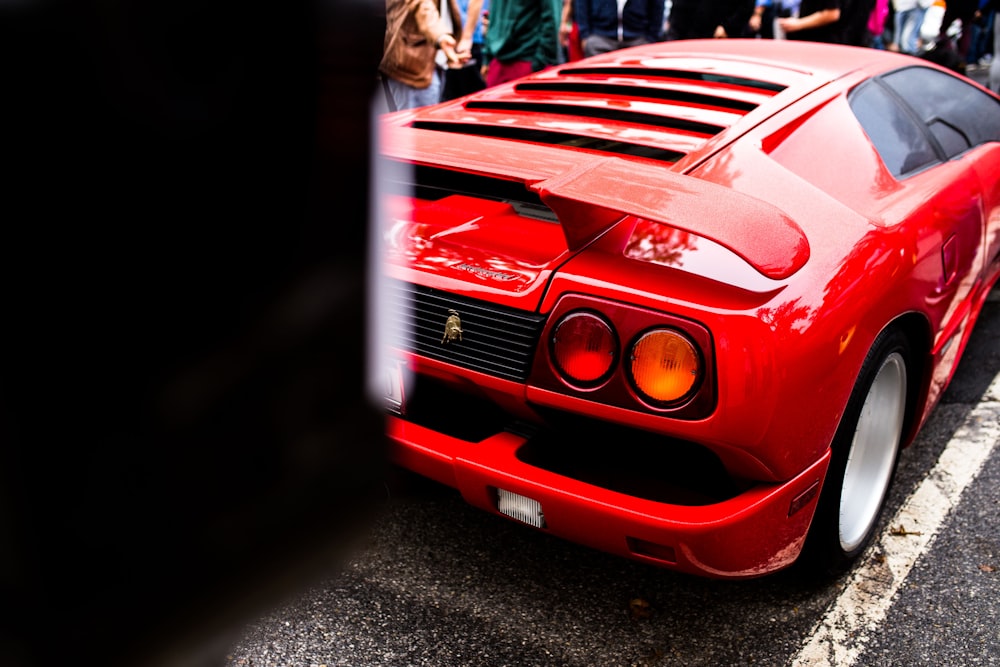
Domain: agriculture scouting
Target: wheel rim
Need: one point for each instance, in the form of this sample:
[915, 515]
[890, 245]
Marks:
[873, 453]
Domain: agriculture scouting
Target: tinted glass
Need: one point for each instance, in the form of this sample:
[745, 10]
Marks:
[952, 139]
[895, 134]
[959, 114]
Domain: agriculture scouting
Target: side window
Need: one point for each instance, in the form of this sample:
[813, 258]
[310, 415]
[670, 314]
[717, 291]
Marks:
[959, 115]
[899, 140]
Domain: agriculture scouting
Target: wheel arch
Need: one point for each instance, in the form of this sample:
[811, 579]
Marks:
[824, 551]
[917, 330]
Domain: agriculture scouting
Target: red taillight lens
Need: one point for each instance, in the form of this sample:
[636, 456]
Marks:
[665, 366]
[584, 348]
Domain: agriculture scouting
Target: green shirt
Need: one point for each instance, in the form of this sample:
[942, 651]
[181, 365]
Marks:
[524, 30]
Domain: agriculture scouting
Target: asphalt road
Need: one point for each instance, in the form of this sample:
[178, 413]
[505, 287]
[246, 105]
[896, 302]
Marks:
[436, 582]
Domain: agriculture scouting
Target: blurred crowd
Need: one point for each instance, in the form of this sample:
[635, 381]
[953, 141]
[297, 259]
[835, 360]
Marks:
[438, 50]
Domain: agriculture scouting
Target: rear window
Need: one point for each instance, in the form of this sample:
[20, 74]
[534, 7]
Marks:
[900, 141]
[955, 111]
[918, 116]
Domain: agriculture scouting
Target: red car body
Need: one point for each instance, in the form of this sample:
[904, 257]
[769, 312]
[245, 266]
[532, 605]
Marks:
[744, 196]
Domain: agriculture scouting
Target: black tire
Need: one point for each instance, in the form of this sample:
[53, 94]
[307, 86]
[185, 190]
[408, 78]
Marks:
[865, 452]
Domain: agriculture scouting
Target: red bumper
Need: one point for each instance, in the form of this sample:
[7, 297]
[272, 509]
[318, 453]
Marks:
[757, 532]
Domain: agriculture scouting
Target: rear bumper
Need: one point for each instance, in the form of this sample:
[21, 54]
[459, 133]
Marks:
[759, 531]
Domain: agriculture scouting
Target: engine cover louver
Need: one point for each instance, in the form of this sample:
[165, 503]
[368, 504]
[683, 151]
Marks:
[494, 340]
[643, 111]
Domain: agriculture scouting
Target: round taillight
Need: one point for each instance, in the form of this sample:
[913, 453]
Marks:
[584, 348]
[665, 366]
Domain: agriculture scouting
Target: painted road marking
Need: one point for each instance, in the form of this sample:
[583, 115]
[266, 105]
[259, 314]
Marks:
[850, 622]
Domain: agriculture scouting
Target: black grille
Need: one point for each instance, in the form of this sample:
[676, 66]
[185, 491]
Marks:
[601, 112]
[653, 74]
[637, 93]
[575, 140]
[495, 340]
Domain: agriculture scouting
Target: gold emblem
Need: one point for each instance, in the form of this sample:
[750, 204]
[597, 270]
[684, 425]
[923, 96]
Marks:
[452, 327]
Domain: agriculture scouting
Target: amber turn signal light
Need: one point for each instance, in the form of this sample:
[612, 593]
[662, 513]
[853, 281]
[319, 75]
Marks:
[665, 366]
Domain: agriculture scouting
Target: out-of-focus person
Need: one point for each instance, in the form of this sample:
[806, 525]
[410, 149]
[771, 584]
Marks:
[466, 79]
[993, 82]
[761, 22]
[783, 9]
[963, 11]
[569, 34]
[609, 25]
[698, 19]
[931, 24]
[522, 37]
[415, 30]
[853, 23]
[816, 21]
[909, 16]
[877, 21]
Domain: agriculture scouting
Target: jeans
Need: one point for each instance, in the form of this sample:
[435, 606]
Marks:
[994, 80]
[408, 97]
[907, 32]
[595, 44]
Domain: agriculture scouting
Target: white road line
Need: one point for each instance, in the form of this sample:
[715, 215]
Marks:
[849, 623]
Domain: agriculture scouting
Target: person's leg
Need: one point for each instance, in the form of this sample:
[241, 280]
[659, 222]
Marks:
[460, 81]
[401, 95]
[637, 41]
[595, 44]
[431, 94]
[994, 80]
[408, 97]
[501, 72]
[907, 30]
[950, 14]
[964, 44]
[767, 23]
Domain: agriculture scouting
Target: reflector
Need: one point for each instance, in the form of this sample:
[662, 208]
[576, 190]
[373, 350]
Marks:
[521, 508]
[584, 348]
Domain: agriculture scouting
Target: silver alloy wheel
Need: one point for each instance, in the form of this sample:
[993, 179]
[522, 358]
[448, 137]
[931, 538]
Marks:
[872, 456]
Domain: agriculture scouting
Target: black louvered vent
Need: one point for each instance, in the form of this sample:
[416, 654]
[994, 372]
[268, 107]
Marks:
[604, 113]
[677, 109]
[647, 93]
[652, 73]
[554, 139]
[496, 340]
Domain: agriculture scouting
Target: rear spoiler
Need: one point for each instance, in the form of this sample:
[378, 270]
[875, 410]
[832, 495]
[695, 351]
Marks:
[590, 194]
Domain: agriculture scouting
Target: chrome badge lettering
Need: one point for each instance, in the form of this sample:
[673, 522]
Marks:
[452, 327]
[487, 273]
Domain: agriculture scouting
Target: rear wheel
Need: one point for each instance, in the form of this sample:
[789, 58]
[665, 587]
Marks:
[864, 455]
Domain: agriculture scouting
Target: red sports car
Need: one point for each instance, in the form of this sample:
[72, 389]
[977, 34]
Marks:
[686, 302]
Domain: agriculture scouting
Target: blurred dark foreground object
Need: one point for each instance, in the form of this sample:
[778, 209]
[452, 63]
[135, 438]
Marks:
[944, 52]
[184, 438]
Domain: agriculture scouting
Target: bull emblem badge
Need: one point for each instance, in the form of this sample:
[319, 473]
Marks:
[452, 328]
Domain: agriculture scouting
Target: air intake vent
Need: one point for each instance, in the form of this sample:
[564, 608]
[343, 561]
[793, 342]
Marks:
[636, 93]
[433, 184]
[650, 73]
[495, 340]
[554, 138]
[600, 112]
[654, 113]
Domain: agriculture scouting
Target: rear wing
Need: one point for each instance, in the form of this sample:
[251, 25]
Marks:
[590, 194]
